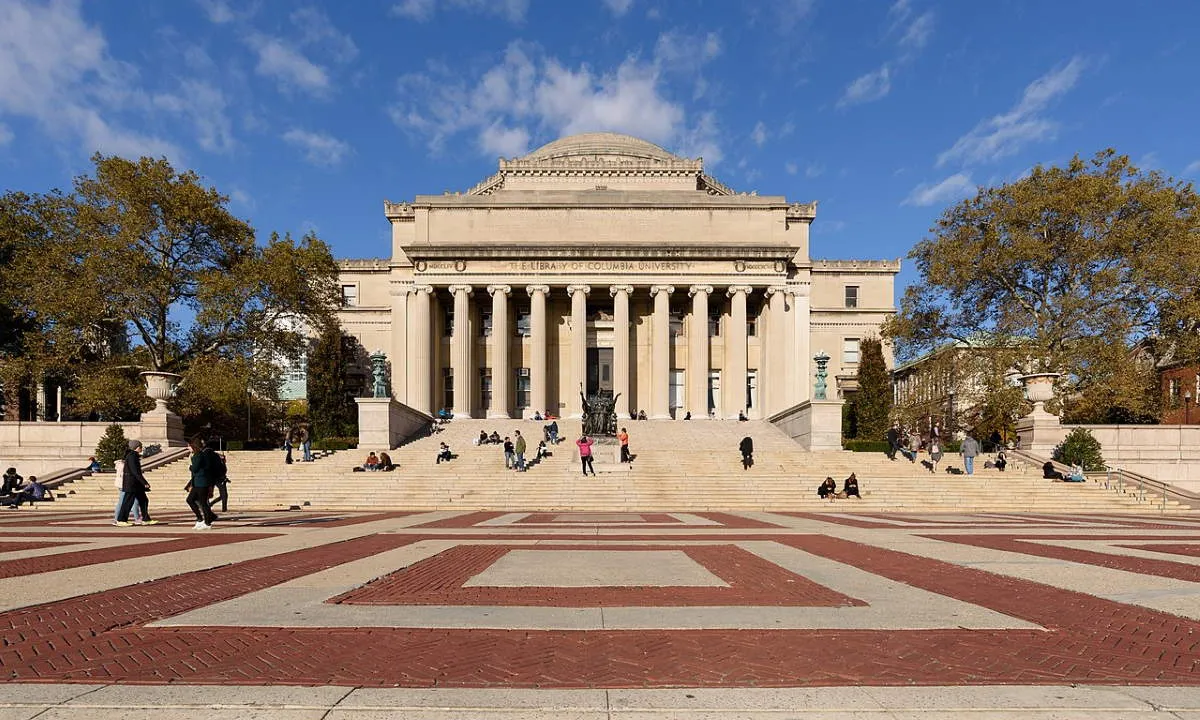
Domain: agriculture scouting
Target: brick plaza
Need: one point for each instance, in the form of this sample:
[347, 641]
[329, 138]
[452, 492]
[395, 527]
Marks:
[538, 609]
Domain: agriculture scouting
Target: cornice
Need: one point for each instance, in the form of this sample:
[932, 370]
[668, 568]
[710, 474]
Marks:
[591, 252]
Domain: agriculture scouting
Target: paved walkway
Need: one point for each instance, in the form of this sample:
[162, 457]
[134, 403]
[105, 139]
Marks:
[655, 615]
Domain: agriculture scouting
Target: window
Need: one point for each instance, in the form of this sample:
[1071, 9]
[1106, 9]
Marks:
[485, 388]
[851, 296]
[349, 295]
[448, 319]
[714, 324]
[522, 387]
[676, 324]
[523, 323]
[751, 327]
[448, 387]
[485, 319]
[751, 388]
[850, 350]
[1173, 391]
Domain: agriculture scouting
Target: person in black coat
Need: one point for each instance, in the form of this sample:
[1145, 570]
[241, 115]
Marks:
[893, 440]
[135, 486]
[747, 448]
[204, 475]
[828, 489]
[850, 488]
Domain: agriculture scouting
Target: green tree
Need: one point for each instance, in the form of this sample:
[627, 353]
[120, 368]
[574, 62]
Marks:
[112, 446]
[330, 396]
[1072, 265]
[1081, 448]
[873, 401]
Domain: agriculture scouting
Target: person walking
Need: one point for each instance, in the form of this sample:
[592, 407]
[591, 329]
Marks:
[510, 456]
[135, 486]
[203, 475]
[969, 450]
[746, 446]
[288, 437]
[585, 455]
[221, 478]
[304, 437]
[623, 437]
[935, 453]
[552, 430]
[519, 448]
[136, 511]
[893, 439]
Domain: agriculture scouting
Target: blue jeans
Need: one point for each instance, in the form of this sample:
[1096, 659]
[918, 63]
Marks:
[135, 512]
[307, 447]
[969, 464]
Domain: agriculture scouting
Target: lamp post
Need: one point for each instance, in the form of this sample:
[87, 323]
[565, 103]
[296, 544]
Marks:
[1187, 401]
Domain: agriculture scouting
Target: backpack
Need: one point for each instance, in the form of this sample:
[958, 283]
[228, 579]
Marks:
[220, 471]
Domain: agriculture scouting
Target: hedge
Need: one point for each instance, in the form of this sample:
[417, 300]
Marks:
[865, 445]
[336, 443]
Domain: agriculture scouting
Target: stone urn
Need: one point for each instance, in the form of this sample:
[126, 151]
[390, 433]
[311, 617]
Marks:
[1039, 390]
[160, 386]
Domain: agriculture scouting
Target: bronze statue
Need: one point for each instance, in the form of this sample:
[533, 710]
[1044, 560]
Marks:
[598, 415]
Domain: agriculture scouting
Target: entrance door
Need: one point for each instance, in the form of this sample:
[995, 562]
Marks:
[714, 393]
[600, 371]
[677, 389]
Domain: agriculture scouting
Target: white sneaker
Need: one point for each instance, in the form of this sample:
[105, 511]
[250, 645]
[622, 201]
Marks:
[199, 524]
[202, 526]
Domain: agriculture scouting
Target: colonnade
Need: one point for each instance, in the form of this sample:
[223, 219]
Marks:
[783, 375]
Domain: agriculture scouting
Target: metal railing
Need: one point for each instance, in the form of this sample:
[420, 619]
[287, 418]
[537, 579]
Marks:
[1141, 488]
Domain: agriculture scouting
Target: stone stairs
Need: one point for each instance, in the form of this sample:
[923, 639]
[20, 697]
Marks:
[679, 466]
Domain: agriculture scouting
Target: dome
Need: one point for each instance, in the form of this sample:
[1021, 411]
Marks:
[600, 144]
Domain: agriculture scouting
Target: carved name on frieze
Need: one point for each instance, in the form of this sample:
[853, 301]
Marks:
[600, 265]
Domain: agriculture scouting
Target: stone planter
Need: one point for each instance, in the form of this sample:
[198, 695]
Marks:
[160, 386]
[1039, 390]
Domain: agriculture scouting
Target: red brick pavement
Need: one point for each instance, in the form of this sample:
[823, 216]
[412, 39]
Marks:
[752, 581]
[35, 564]
[16, 546]
[102, 638]
[1190, 550]
[1022, 544]
[551, 518]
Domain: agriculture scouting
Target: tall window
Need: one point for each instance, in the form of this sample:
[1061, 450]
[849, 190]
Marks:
[485, 319]
[522, 387]
[1173, 391]
[850, 350]
[448, 387]
[349, 295]
[751, 326]
[448, 319]
[485, 387]
[523, 323]
[714, 323]
[851, 296]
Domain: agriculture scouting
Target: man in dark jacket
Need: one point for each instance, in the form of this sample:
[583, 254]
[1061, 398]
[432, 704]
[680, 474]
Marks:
[893, 439]
[204, 476]
[747, 448]
[135, 486]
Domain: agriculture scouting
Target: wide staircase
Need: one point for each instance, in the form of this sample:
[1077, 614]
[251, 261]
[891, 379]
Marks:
[678, 466]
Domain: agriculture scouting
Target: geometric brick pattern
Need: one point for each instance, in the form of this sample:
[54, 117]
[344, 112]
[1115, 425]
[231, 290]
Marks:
[752, 581]
[106, 636]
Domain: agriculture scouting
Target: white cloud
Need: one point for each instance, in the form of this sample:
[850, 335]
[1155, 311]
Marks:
[205, 106]
[528, 94]
[218, 11]
[239, 196]
[279, 61]
[319, 148]
[759, 134]
[317, 30]
[789, 13]
[681, 52]
[953, 188]
[1006, 134]
[422, 10]
[618, 7]
[917, 35]
[55, 69]
[1193, 168]
[814, 170]
[872, 86]
[791, 168]
[6, 135]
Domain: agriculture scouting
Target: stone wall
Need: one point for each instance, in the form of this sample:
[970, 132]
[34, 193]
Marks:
[36, 448]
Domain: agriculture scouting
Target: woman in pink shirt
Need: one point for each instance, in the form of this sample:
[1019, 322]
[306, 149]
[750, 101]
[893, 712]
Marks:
[585, 454]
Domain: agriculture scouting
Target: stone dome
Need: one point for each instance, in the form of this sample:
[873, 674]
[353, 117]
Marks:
[601, 144]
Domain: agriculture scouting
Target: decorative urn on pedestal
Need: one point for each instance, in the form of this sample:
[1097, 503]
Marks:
[1039, 390]
[160, 386]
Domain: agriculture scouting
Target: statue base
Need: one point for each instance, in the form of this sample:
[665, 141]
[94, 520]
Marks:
[385, 423]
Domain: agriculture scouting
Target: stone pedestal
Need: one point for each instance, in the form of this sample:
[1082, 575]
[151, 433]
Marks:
[815, 425]
[1040, 432]
[384, 423]
[163, 428]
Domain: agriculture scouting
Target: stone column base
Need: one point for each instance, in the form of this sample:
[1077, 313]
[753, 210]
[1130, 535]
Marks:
[815, 425]
[1040, 433]
[162, 428]
[385, 423]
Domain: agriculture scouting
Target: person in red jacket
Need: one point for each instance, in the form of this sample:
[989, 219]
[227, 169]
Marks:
[585, 454]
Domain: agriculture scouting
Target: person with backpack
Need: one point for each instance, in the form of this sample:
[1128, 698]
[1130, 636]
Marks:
[221, 480]
[203, 475]
[746, 447]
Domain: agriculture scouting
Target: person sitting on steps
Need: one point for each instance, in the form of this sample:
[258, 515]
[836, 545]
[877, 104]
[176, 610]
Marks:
[850, 487]
[828, 489]
[1049, 473]
[482, 439]
[444, 454]
[1076, 474]
[1001, 461]
[385, 462]
[372, 461]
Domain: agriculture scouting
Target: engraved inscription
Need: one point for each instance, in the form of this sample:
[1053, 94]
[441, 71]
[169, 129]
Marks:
[600, 265]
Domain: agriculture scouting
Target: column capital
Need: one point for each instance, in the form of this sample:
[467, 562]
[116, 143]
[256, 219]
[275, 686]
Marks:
[418, 289]
[456, 289]
[531, 289]
[656, 289]
[781, 289]
[572, 289]
[614, 289]
[493, 289]
[697, 289]
[735, 289]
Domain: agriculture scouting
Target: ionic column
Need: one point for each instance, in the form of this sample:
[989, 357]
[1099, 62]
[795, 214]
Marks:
[500, 352]
[660, 370]
[578, 294]
[698, 352]
[460, 350]
[775, 397]
[803, 356]
[736, 353]
[620, 295]
[537, 360]
[398, 353]
[418, 370]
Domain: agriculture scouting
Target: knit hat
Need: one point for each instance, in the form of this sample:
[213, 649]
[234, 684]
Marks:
[134, 444]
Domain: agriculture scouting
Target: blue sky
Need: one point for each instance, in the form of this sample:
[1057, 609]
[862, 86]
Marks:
[309, 115]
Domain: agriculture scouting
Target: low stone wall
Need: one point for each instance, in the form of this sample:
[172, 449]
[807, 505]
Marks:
[384, 423]
[37, 448]
[813, 424]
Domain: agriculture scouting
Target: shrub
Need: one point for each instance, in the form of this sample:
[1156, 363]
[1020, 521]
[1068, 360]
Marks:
[1080, 448]
[235, 445]
[336, 443]
[112, 447]
[865, 445]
